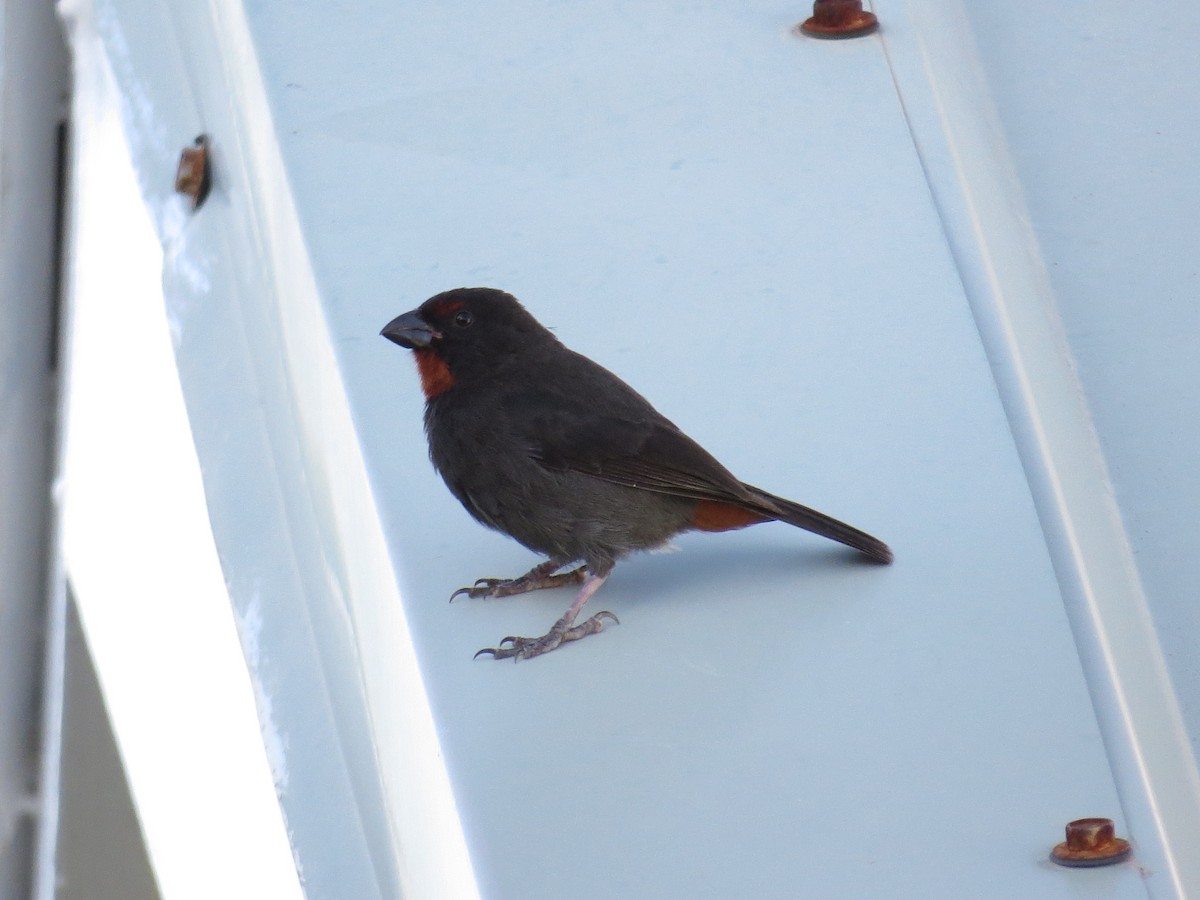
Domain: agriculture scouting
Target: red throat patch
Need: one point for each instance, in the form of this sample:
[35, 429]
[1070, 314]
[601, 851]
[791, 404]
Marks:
[435, 374]
[712, 515]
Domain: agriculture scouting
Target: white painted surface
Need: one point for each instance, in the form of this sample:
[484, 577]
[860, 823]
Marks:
[1107, 170]
[758, 233]
[138, 547]
[1001, 250]
[32, 84]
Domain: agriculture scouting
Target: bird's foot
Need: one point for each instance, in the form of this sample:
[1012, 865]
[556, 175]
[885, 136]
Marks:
[536, 579]
[562, 632]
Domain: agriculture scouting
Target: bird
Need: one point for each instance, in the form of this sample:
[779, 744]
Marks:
[552, 449]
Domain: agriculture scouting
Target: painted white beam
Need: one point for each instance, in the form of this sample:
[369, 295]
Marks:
[137, 543]
[797, 252]
[33, 88]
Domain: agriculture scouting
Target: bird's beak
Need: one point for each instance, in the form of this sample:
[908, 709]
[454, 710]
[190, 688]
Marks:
[410, 330]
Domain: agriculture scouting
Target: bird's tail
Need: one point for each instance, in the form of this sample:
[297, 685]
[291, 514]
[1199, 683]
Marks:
[818, 523]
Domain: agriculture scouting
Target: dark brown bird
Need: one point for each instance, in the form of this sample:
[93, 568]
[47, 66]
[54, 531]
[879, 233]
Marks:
[555, 451]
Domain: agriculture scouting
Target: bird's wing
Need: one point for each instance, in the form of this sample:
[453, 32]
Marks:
[591, 422]
[611, 432]
[649, 456]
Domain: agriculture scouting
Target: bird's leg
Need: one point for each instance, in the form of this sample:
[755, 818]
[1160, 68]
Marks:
[562, 631]
[539, 577]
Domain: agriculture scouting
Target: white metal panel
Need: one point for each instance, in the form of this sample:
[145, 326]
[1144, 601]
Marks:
[738, 222]
[1107, 160]
[33, 68]
[1010, 233]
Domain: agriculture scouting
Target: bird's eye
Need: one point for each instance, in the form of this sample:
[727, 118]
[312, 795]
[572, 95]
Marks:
[463, 318]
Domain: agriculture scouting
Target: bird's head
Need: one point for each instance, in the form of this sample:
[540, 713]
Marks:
[465, 332]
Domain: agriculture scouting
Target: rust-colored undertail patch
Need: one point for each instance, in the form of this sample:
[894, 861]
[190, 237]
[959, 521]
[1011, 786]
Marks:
[712, 515]
[435, 374]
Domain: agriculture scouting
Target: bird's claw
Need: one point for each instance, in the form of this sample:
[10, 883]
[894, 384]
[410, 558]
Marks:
[536, 579]
[483, 587]
[526, 648]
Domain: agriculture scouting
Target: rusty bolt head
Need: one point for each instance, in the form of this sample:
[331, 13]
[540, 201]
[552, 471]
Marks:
[194, 175]
[1090, 842]
[839, 19]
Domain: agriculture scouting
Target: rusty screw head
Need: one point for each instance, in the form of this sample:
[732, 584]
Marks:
[1090, 842]
[194, 175]
[839, 19]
